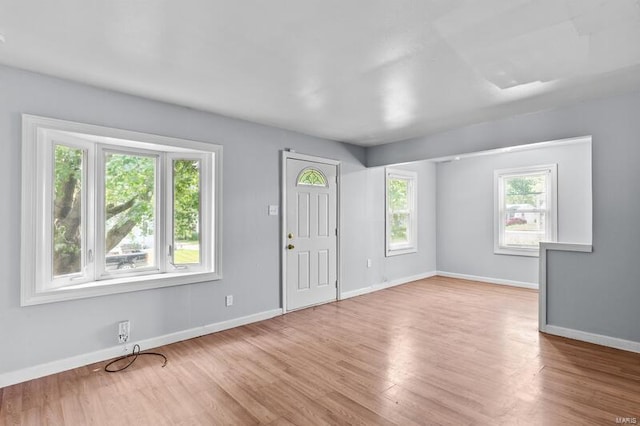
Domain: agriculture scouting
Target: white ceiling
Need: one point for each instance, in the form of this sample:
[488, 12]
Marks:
[361, 71]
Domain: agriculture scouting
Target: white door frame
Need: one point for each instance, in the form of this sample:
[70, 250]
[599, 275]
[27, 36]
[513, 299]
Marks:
[283, 219]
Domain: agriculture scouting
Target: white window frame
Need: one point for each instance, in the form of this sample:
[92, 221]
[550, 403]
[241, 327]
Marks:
[207, 216]
[411, 246]
[551, 228]
[37, 283]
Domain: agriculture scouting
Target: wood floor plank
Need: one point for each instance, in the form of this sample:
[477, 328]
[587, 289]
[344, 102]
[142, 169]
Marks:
[350, 412]
[436, 351]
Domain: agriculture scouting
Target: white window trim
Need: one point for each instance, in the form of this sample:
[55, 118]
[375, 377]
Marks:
[412, 245]
[552, 208]
[35, 169]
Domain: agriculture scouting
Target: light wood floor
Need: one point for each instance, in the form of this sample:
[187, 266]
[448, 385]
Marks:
[437, 351]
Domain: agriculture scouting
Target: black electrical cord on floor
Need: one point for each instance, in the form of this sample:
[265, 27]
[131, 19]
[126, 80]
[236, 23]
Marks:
[134, 355]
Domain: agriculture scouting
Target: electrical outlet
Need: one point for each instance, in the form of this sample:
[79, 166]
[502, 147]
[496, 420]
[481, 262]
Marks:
[369, 263]
[124, 329]
[228, 301]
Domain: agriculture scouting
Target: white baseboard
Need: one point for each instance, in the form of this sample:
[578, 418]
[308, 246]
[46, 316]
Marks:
[29, 373]
[490, 280]
[598, 339]
[387, 284]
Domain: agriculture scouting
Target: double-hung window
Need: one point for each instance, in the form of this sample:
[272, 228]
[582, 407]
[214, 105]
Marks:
[108, 211]
[401, 214]
[526, 209]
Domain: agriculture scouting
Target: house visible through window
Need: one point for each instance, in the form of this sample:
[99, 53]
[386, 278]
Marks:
[525, 209]
[401, 217]
[109, 210]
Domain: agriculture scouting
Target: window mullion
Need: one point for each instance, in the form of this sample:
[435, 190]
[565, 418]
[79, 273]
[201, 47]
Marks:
[502, 229]
[99, 214]
[163, 204]
[90, 210]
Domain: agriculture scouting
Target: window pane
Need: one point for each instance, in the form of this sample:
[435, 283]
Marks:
[129, 211]
[524, 192]
[525, 229]
[186, 212]
[398, 193]
[399, 228]
[312, 177]
[524, 226]
[67, 211]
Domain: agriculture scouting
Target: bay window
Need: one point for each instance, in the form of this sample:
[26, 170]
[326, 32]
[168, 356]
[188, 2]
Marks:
[108, 210]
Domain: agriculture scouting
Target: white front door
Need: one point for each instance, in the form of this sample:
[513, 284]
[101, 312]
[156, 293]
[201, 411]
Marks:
[311, 228]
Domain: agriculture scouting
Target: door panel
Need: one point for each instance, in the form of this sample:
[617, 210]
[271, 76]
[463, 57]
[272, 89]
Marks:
[323, 215]
[323, 267]
[303, 215]
[303, 271]
[311, 252]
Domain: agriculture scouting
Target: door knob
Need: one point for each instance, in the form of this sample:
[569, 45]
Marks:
[291, 246]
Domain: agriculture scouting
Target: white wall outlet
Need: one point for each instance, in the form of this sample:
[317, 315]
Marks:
[228, 301]
[369, 263]
[273, 210]
[124, 329]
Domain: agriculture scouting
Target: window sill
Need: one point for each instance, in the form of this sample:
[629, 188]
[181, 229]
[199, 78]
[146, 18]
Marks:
[115, 286]
[401, 250]
[513, 251]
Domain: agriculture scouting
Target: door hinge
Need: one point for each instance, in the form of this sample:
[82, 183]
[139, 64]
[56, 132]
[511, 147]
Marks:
[336, 283]
[336, 232]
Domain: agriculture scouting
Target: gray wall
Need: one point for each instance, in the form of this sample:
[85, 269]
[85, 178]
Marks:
[465, 206]
[597, 292]
[387, 269]
[367, 205]
[251, 254]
